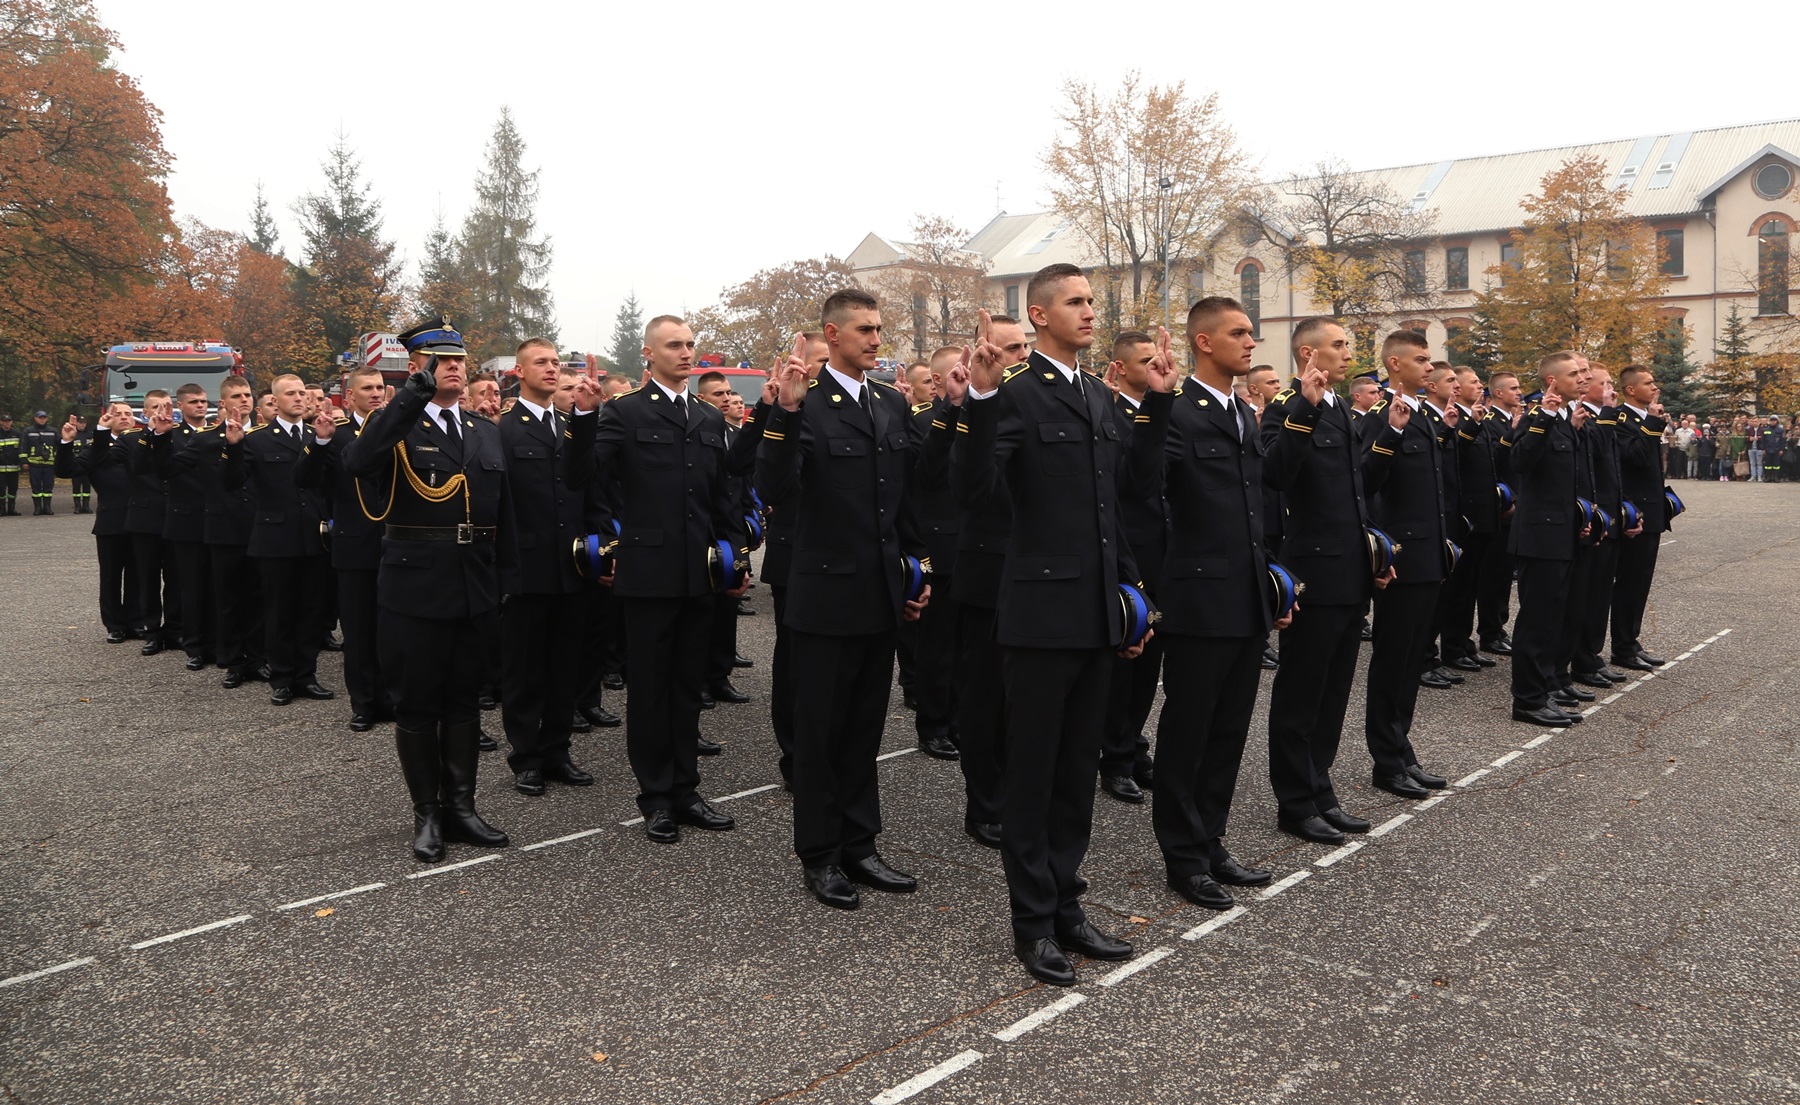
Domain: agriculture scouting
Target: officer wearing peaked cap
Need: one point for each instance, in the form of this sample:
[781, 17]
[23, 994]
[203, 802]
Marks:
[440, 485]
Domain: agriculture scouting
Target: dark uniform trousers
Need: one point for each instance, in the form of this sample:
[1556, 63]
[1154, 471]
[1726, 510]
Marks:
[1200, 743]
[431, 667]
[537, 676]
[1590, 642]
[837, 734]
[934, 681]
[664, 705]
[119, 583]
[356, 604]
[238, 633]
[1544, 598]
[1124, 749]
[1631, 590]
[193, 567]
[598, 613]
[1311, 691]
[1460, 594]
[1058, 447]
[1403, 627]
[1493, 587]
[781, 685]
[722, 648]
[158, 588]
[980, 713]
[293, 615]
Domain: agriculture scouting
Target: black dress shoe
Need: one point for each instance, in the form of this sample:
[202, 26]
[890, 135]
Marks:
[361, 723]
[1541, 715]
[939, 748]
[1482, 661]
[1611, 676]
[313, 690]
[1233, 873]
[529, 782]
[745, 610]
[332, 643]
[1270, 659]
[1425, 778]
[1570, 690]
[1443, 672]
[568, 774]
[706, 701]
[154, 645]
[708, 748]
[1145, 777]
[1463, 663]
[831, 888]
[660, 827]
[984, 833]
[1045, 961]
[1123, 788]
[1633, 663]
[600, 717]
[908, 700]
[1091, 942]
[196, 663]
[1368, 632]
[613, 681]
[1434, 680]
[579, 724]
[1593, 679]
[702, 816]
[1203, 891]
[1315, 829]
[1345, 822]
[1401, 784]
[484, 742]
[1499, 646]
[233, 680]
[115, 636]
[281, 696]
[742, 661]
[487, 702]
[261, 674]
[873, 872]
[723, 691]
[1653, 661]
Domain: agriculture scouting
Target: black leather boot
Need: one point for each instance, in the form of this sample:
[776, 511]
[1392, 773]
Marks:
[462, 752]
[419, 763]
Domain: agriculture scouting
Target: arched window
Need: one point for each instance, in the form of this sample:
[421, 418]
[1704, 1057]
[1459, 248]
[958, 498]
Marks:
[1250, 295]
[1772, 268]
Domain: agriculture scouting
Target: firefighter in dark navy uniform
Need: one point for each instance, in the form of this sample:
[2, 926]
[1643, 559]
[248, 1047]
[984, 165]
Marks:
[440, 485]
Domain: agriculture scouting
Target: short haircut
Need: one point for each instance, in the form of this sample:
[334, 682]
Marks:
[1254, 369]
[924, 365]
[812, 336]
[947, 353]
[1554, 362]
[1440, 364]
[1503, 374]
[1007, 319]
[840, 303]
[1631, 373]
[1597, 367]
[156, 393]
[650, 327]
[1439, 373]
[529, 343]
[1465, 370]
[483, 378]
[1399, 339]
[713, 377]
[320, 388]
[264, 394]
[1309, 331]
[286, 376]
[360, 373]
[1128, 338]
[188, 390]
[1363, 382]
[237, 383]
[1046, 280]
[1207, 310]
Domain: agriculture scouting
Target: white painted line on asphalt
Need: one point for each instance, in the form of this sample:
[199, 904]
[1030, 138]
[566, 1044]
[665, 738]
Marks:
[1345, 852]
[1541, 738]
[891, 755]
[1432, 801]
[558, 840]
[1648, 676]
[1628, 688]
[195, 931]
[1592, 710]
[1287, 884]
[430, 871]
[1682, 657]
[746, 793]
[1669, 542]
[1721, 633]
[364, 889]
[1471, 777]
[1213, 924]
[1392, 823]
[924, 1080]
[1042, 1017]
[1477, 929]
[56, 970]
[1148, 959]
[1508, 758]
[633, 821]
[1612, 698]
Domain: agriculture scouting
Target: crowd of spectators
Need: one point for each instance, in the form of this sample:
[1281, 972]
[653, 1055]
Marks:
[1752, 448]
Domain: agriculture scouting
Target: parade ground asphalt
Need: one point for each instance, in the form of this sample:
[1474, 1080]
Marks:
[209, 899]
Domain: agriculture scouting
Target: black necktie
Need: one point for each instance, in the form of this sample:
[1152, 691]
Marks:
[294, 432]
[681, 408]
[450, 429]
[862, 399]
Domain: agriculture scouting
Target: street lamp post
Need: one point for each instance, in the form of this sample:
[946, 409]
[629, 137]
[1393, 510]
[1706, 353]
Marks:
[1165, 184]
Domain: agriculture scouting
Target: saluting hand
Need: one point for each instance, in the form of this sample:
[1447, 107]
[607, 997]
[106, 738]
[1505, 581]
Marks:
[793, 381]
[161, 423]
[1162, 366]
[1551, 402]
[985, 368]
[1578, 415]
[1399, 413]
[234, 432]
[956, 381]
[771, 390]
[1479, 412]
[1655, 410]
[324, 426]
[69, 429]
[587, 394]
[1312, 379]
[1452, 415]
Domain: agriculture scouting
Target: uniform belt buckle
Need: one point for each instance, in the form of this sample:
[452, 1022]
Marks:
[465, 534]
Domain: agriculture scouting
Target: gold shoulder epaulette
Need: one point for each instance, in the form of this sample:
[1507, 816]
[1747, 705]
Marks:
[1533, 409]
[813, 383]
[918, 408]
[258, 426]
[1380, 405]
[1015, 370]
[1284, 395]
[343, 421]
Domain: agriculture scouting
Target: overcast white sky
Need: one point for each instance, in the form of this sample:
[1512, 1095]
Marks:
[683, 147]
